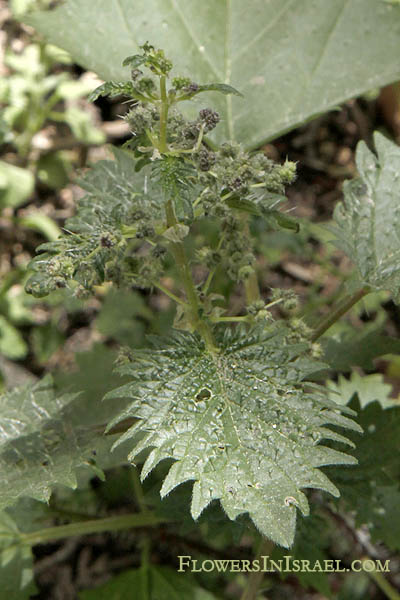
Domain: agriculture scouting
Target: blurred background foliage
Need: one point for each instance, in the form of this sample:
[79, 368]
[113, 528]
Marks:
[48, 134]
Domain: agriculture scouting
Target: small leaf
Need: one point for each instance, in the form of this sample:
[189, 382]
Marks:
[241, 424]
[134, 61]
[223, 88]
[113, 88]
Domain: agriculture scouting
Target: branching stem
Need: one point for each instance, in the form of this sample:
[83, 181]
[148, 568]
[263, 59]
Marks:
[242, 319]
[170, 294]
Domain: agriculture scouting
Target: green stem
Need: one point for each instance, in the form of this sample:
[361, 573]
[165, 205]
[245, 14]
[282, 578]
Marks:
[251, 286]
[382, 583]
[273, 303]
[337, 313]
[163, 114]
[243, 319]
[255, 579]
[179, 254]
[212, 272]
[167, 292]
[252, 289]
[93, 526]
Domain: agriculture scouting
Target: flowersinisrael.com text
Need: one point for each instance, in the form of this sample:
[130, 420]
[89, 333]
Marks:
[287, 564]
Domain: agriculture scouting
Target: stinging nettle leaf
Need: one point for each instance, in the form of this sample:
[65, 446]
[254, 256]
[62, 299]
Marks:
[134, 61]
[40, 444]
[292, 60]
[368, 220]
[113, 88]
[241, 423]
[223, 88]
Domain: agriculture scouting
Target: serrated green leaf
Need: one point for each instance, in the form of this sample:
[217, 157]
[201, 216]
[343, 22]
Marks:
[41, 445]
[368, 388]
[151, 583]
[241, 424]
[291, 60]
[106, 209]
[223, 88]
[113, 88]
[369, 217]
[134, 61]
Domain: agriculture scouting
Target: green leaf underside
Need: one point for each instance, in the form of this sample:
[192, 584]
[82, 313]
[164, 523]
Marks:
[40, 445]
[289, 58]
[369, 217]
[241, 424]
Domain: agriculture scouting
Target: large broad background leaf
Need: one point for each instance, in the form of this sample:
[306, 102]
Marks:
[292, 59]
[368, 220]
[241, 424]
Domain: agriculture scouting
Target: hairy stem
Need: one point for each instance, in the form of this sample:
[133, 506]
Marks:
[341, 309]
[170, 294]
[252, 289]
[251, 286]
[255, 579]
[92, 526]
[179, 254]
[163, 114]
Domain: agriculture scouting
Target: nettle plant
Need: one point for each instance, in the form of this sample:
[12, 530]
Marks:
[233, 401]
